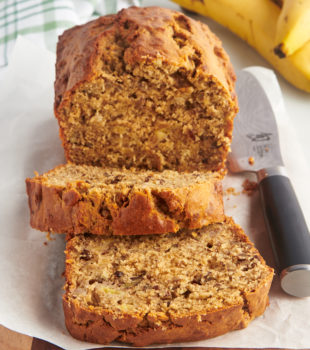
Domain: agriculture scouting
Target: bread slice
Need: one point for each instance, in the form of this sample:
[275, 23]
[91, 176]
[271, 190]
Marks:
[147, 87]
[77, 199]
[169, 288]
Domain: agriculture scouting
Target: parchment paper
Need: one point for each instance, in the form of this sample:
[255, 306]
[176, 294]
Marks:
[31, 266]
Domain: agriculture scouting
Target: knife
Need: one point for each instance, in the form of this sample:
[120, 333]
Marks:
[255, 148]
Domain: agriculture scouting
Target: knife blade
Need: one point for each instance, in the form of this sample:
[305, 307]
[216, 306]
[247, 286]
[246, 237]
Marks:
[255, 147]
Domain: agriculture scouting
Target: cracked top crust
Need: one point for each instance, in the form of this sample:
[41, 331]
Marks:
[145, 35]
[143, 290]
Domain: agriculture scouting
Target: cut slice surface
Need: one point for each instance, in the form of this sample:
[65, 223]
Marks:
[147, 87]
[193, 284]
[77, 199]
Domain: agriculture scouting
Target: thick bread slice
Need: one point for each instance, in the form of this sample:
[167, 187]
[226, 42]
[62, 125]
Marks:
[146, 88]
[77, 199]
[187, 286]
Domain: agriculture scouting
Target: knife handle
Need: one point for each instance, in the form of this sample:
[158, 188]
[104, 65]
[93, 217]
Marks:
[288, 232]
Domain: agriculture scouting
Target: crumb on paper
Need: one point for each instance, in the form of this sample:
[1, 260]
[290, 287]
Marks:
[232, 191]
[266, 149]
[249, 187]
[48, 237]
[251, 160]
[235, 206]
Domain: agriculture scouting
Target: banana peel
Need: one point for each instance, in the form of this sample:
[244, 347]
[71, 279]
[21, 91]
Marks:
[255, 21]
[293, 27]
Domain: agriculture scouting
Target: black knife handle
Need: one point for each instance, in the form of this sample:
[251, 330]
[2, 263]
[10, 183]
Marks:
[287, 228]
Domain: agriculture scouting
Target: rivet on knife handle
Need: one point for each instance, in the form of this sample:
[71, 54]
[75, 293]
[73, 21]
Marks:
[288, 231]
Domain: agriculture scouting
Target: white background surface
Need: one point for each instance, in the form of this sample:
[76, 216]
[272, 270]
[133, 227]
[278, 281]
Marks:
[30, 272]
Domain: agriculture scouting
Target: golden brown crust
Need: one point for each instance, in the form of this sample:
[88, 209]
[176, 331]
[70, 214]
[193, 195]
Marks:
[92, 327]
[79, 47]
[74, 209]
[99, 325]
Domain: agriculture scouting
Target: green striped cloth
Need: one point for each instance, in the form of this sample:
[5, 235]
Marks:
[42, 21]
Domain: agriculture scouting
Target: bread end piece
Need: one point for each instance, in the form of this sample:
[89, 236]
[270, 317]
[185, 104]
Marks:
[146, 87]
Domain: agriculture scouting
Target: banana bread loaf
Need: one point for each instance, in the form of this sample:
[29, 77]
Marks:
[147, 87]
[79, 198]
[142, 290]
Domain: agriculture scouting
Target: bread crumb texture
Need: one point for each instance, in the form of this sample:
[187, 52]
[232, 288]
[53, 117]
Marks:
[160, 289]
[146, 87]
[249, 187]
[76, 199]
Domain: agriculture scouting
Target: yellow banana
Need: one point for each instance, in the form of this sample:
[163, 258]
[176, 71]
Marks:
[255, 21]
[293, 27]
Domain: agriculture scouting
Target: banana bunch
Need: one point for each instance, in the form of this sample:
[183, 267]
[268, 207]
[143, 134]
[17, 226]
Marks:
[278, 29]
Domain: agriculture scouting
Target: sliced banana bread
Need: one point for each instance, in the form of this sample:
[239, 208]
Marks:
[77, 199]
[146, 87]
[142, 290]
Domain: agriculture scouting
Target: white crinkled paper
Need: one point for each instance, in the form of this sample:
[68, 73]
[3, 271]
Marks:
[31, 272]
